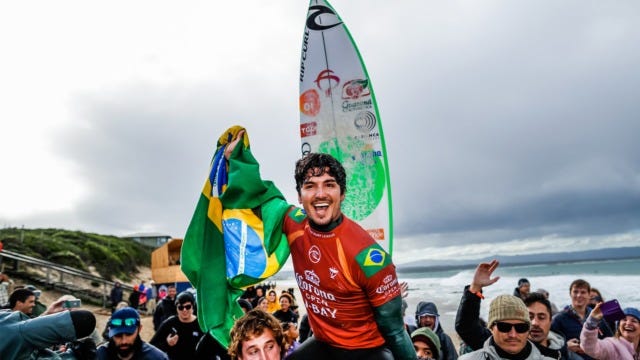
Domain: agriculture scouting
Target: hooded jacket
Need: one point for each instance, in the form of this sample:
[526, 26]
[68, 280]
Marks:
[488, 352]
[448, 350]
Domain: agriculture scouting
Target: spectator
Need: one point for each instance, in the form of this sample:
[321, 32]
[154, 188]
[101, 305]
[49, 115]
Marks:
[134, 297]
[548, 342]
[509, 324]
[115, 297]
[427, 316]
[152, 296]
[272, 301]
[257, 335]
[259, 294]
[623, 346]
[426, 343]
[105, 332]
[523, 289]
[124, 339]
[5, 284]
[179, 335]
[570, 320]
[474, 332]
[23, 300]
[39, 307]
[291, 337]
[166, 308]
[285, 314]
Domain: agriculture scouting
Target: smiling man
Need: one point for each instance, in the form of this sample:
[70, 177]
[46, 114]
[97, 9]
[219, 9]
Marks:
[348, 282]
[569, 321]
[509, 324]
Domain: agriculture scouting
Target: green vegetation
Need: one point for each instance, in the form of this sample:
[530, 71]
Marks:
[110, 255]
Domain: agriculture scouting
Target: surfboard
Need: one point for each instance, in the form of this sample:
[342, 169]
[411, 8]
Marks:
[339, 115]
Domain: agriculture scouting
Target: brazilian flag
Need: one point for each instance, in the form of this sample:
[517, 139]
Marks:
[235, 237]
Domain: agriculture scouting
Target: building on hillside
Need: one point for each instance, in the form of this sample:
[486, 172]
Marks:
[153, 240]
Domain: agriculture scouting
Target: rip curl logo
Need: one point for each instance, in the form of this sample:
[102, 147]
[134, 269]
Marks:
[327, 81]
[314, 254]
[314, 22]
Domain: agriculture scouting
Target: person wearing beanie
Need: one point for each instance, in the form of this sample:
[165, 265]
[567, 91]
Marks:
[179, 335]
[427, 316]
[523, 289]
[426, 343]
[624, 345]
[124, 339]
[509, 324]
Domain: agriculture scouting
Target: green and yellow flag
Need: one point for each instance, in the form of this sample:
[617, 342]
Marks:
[235, 237]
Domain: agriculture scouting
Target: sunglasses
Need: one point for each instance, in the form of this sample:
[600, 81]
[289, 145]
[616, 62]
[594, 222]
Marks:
[123, 322]
[504, 327]
[185, 307]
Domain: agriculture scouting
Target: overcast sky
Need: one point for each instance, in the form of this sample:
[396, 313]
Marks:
[510, 126]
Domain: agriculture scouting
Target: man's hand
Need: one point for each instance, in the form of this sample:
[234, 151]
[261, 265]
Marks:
[482, 276]
[172, 339]
[574, 345]
[232, 145]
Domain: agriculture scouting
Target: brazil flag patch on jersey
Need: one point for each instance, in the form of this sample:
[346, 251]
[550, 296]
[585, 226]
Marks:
[297, 214]
[373, 259]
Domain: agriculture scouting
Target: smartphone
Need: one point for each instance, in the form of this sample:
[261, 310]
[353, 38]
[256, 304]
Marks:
[68, 304]
[611, 310]
[174, 331]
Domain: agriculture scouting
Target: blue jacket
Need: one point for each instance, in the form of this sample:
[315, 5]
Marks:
[22, 336]
[146, 352]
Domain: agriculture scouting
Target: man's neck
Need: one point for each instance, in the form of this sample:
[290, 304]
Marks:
[581, 311]
[328, 227]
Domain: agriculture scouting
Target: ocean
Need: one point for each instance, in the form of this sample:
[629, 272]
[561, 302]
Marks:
[616, 279]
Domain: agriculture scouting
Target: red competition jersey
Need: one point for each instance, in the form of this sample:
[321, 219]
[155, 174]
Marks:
[342, 275]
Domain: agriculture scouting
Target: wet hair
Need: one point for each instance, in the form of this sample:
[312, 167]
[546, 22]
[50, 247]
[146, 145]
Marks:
[19, 295]
[536, 297]
[316, 164]
[579, 283]
[251, 325]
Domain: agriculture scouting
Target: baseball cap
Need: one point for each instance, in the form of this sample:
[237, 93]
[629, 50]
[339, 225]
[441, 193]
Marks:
[124, 321]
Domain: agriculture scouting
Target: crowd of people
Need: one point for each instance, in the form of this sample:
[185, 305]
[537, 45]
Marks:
[351, 293]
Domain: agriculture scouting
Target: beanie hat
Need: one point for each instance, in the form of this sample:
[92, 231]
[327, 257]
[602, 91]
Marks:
[427, 335]
[523, 281]
[507, 307]
[632, 312]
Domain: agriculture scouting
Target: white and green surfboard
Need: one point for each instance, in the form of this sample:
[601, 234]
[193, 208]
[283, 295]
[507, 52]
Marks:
[339, 116]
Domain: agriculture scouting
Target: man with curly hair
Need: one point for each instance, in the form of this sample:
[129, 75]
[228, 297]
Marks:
[257, 335]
